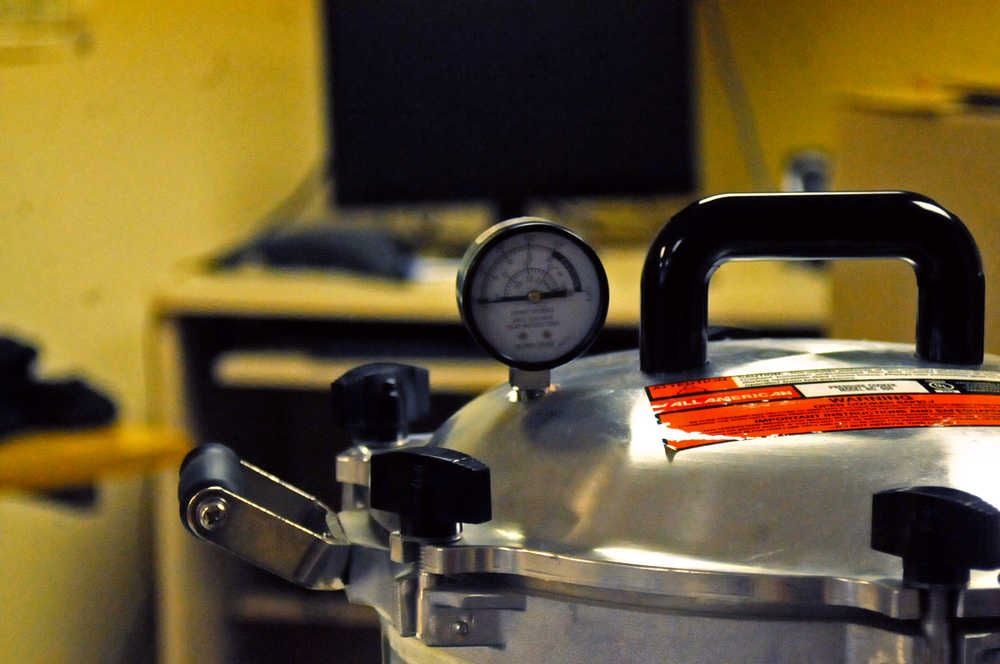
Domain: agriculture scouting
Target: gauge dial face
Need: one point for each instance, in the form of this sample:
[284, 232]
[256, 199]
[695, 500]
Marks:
[533, 293]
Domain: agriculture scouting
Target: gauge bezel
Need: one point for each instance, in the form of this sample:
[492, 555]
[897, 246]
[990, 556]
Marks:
[501, 232]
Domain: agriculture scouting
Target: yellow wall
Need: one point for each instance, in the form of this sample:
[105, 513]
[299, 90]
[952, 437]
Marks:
[797, 58]
[185, 121]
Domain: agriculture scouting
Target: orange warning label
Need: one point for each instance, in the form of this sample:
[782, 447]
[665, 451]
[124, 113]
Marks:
[724, 398]
[691, 387]
[725, 409]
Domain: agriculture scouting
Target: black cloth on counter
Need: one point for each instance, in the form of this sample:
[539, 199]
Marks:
[28, 403]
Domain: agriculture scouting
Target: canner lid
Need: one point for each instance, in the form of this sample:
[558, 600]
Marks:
[763, 467]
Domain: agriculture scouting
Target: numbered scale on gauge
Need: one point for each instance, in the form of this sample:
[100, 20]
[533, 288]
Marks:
[532, 293]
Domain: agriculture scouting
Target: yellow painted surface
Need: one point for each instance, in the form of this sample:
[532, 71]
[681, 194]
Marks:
[54, 459]
[798, 58]
[182, 122]
[75, 583]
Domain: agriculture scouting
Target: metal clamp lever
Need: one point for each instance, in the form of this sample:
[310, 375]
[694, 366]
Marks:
[256, 516]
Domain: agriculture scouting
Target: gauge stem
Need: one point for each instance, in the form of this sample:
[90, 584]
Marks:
[528, 384]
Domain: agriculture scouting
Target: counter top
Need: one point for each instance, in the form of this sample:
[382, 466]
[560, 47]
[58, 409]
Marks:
[742, 293]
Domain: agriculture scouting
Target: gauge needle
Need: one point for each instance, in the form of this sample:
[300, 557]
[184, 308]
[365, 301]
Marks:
[532, 296]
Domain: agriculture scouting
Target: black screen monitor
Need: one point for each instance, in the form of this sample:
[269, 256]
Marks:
[508, 100]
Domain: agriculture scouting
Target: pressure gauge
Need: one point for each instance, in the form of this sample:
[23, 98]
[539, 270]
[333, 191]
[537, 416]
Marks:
[532, 293]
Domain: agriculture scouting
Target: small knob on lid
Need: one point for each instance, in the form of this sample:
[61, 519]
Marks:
[940, 533]
[378, 402]
[433, 489]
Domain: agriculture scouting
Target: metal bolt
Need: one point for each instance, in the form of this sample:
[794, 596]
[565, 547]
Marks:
[460, 627]
[212, 513]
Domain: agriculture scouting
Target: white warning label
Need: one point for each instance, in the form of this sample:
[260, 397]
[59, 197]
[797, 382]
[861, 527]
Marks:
[860, 387]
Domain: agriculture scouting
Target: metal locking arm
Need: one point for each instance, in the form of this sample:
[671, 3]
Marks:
[257, 517]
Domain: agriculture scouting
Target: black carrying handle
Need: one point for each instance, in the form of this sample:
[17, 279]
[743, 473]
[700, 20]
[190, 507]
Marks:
[897, 224]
